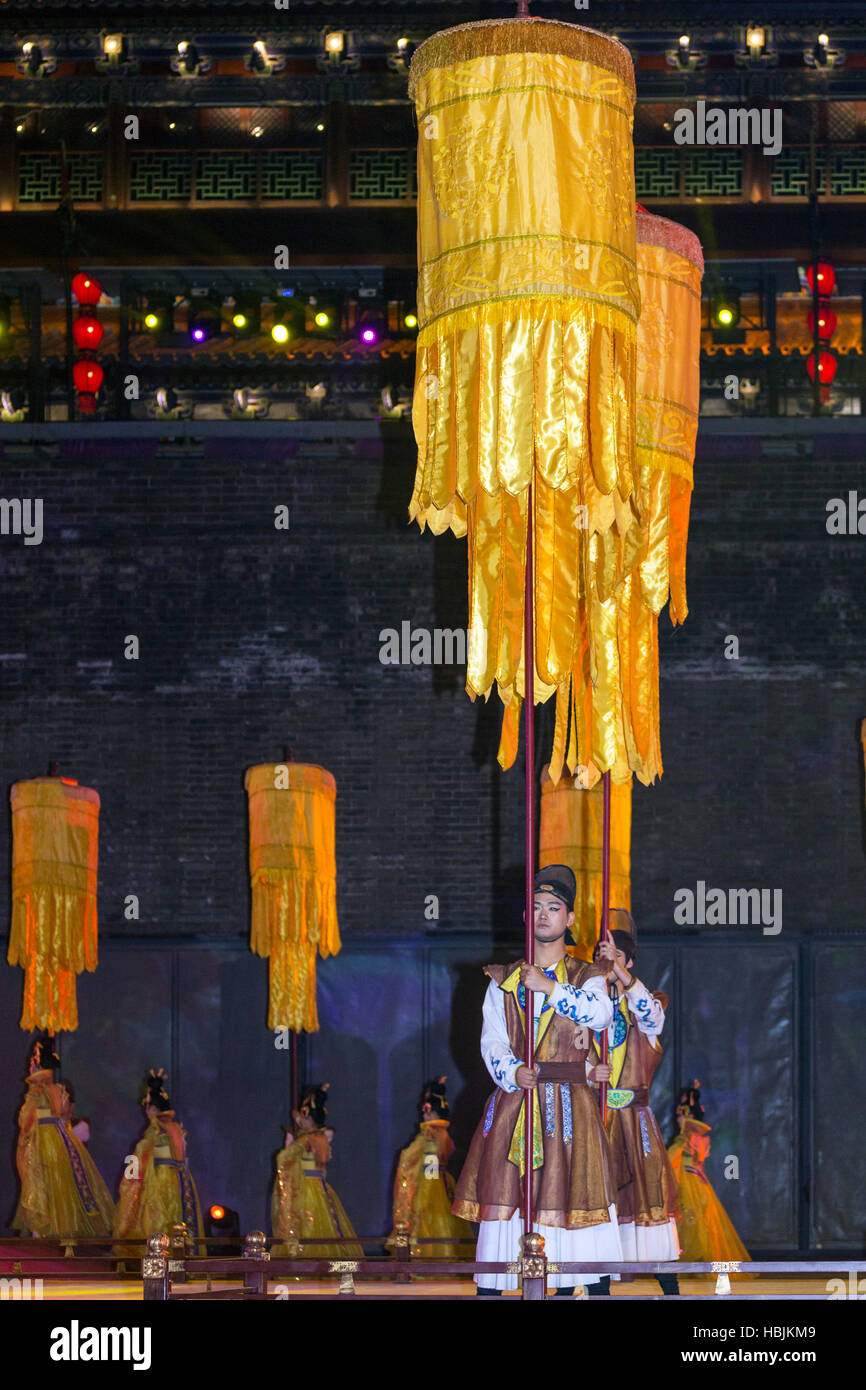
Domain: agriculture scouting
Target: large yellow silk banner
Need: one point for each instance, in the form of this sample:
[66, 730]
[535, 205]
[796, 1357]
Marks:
[55, 851]
[527, 303]
[293, 876]
[615, 690]
[571, 833]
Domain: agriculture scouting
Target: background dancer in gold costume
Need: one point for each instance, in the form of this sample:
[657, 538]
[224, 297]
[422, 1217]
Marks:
[157, 1189]
[423, 1187]
[62, 1191]
[705, 1229]
[303, 1203]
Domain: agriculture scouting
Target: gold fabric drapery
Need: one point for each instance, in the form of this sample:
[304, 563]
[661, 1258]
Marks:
[293, 875]
[614, 715]
[527, 304]
[571, 833]
[55, 850]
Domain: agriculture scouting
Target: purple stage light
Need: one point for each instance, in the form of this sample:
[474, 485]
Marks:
[199, 334]
[368, 335]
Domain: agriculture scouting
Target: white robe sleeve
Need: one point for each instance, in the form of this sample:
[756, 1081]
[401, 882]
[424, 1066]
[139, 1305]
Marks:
[648, 1012]
[588, 1003]
[499, 1060]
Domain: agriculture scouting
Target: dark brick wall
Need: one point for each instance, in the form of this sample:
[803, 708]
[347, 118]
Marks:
[253, 639]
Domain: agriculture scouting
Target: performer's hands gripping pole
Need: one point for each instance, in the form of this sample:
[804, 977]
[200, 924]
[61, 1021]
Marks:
[605, 904]
[529, 914]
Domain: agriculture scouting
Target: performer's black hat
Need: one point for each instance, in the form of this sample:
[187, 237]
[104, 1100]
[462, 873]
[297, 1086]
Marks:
[313, 1104]
[155, 1092]
[43, 1054]
[689, 1103]
[434, 1096]
[559, 880]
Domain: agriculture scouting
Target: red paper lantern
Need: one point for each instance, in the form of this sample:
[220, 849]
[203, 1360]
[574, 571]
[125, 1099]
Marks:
[86, 289]
[88, 376]
[827, 365]
[826, 278]
[827, 322]
[86, 403]
[87, 331]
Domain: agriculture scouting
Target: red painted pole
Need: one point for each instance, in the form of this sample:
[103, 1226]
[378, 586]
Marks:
[529, 740]
[605, 904]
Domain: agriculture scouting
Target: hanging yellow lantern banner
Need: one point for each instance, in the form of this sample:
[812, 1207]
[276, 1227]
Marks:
[527, 306]
[55, 851]
[616, 681]
[293, 876]
[571, 833]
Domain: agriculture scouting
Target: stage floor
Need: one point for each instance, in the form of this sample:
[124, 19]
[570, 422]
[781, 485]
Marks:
[129, 1290]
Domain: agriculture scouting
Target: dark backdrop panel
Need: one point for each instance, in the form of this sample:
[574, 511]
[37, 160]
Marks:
[370, 1048]
[737, 1007]
[839, 1136]
[235, 1084]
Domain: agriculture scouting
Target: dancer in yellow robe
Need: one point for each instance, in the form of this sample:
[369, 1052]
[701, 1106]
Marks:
[62, 1191]
[424, 1189]
[303, 1203]
[705, 1229]
[157, 1189]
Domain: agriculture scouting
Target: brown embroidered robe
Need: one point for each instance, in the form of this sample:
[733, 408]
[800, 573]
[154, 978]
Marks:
[647, 1188]
[573, 1188]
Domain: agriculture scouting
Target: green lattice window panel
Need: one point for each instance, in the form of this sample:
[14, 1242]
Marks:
[291, 174]
[379, 174]
[39, 178]
[226, 176]
[848, 173]
[157, 177]
[791, 173]
[714, 174]
[657, 173]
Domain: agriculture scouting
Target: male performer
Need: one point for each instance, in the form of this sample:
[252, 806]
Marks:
[573, 1190]
[647, 1194]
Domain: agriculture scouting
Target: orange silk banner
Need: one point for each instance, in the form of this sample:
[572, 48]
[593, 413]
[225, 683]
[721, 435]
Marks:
[55, 850]
[293, 876]
[528, 303]
[571, 833]
[615, 719]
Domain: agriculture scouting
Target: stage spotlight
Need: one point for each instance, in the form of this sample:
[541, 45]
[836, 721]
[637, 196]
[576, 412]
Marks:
[157, 313]
[33, 61]
[289, 323]
[205, 316]
[725, 316]
[115, 48]
[398, 58]
[13, 407]
[821, 55]
[189, 62]
[335, 53]
[725, 309]
[261, 61]
[410, 320]
[247, 315]
[756, 47]
[326, 315]
[222, 1221]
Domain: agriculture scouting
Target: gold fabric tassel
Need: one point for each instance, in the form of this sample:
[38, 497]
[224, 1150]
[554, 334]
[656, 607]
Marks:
[293, 876]
[55, 852]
